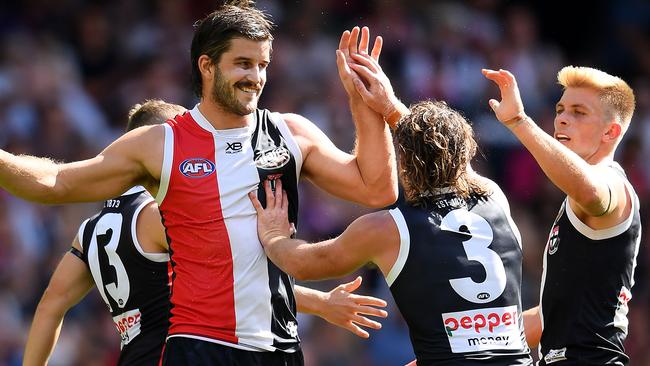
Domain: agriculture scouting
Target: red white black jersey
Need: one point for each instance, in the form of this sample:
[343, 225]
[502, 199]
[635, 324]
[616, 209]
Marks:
[224, 289]
[457, 280]
[133, 284]
[587, 279]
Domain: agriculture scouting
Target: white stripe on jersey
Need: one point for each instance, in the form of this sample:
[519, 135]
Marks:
[168, 160]
[404, 246]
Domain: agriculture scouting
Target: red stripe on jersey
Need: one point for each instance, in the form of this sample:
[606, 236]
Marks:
[202, 293]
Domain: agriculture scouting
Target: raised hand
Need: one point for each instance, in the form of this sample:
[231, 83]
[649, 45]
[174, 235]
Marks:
[349, 44]
[344, 309]
[510, 110]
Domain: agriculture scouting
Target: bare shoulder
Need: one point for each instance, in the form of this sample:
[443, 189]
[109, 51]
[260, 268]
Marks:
[300, 126]
[378, 224]
[149, 228]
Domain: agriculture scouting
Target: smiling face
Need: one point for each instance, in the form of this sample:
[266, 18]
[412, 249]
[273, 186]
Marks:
[581, 122]
[240, 76]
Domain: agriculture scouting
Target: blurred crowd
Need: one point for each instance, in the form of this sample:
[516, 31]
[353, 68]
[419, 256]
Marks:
[71, 69]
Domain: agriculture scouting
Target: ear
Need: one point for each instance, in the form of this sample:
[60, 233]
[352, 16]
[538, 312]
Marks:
[613, 132]
[206, 67]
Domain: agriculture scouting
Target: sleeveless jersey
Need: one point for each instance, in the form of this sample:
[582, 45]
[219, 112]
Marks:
[457, 280]
[587, 278]
[224, 289]
[133, 284]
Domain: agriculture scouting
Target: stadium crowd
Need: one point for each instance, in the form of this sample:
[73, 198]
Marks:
[70, 70]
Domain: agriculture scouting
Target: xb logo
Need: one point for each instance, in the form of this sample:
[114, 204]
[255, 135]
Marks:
[233, 147]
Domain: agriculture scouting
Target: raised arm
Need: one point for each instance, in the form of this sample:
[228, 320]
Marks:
[593, 188]
[341, 307]
[370, 238]
[69, 284]
[367, 176]
[129, 161]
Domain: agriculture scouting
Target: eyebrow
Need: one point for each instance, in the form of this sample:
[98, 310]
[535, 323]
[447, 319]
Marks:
[243, 58]
[578, 105]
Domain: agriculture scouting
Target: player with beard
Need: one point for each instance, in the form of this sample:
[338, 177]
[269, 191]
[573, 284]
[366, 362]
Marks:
[229, 303]
[123, 251]
[591, 252]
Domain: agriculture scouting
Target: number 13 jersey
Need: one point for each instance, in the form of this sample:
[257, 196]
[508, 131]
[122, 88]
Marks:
[457, 280]
[132, 283]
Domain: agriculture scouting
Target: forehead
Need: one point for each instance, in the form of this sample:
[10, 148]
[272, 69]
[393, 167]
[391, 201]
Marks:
[246, 48]
[581, 96]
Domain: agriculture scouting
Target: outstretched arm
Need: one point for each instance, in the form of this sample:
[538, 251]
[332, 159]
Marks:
[68, 285]
[593, 188]
[367, 176]
[370, 238]
[341, 307]
[126, 162]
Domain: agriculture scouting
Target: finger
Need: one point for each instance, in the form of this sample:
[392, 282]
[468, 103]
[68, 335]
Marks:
[369, 300]
[356, 330]
[285, 202]
[369, 310]
[354, 38]
[494, 104]
[360, 87]
[341, 64]
[365, 39]
[256, 203]
[508, 77]
[364, 72]
[344, 42]
[376, 48]
[365, 60]
[278, 193]
[270, 198]
[363, 321]
[352, 285]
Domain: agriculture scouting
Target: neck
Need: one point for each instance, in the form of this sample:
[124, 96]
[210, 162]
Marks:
[221, 119]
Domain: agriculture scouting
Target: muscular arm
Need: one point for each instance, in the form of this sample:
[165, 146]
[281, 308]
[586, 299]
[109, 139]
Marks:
[592, 189]
[532, 327]
[134, 158]
[370, 238]
[341, 307]
[69, 284]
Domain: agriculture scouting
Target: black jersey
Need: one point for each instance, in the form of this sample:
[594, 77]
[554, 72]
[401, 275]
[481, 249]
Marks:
[457, 280]
[588, 275]
[132, 283]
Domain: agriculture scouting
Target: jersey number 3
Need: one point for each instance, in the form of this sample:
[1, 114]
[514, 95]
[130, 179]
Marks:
[477, 249]
[118, 291]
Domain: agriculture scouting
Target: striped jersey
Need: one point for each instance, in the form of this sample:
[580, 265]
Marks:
[586, 286]
[457, 280]
[132, 283]
[224, 289]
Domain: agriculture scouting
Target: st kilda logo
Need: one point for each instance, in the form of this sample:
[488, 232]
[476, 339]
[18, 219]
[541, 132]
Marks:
[554, 240]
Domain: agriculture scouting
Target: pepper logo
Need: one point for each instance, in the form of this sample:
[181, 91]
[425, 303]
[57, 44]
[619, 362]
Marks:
[196, 167]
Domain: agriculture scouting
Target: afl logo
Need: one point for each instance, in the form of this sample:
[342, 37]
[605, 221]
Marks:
[196, 168]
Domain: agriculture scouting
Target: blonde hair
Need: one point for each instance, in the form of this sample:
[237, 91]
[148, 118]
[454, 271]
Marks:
[617, 96]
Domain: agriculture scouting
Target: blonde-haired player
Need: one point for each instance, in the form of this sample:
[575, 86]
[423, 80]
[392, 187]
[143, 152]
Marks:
[590, 255]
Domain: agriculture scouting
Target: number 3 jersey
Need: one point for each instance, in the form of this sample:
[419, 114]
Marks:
[132, 283]
[457, 280]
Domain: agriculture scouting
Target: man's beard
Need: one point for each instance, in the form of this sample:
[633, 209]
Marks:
[224, 95]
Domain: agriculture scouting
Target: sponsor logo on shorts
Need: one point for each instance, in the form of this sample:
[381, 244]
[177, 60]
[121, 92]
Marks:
[196, 167]
[128, 325]
[555, 355]
[483, 329]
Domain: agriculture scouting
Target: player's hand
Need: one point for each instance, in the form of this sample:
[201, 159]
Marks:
[346, 310]
[349, 44]
[375, 89]
[510, 110]
[272, 221]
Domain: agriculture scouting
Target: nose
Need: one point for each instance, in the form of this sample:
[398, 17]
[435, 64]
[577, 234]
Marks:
[561, 119]
[256, 75]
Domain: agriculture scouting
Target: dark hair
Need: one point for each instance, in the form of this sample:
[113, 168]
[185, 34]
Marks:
[152, 112]
[213, 34]
[435, 145]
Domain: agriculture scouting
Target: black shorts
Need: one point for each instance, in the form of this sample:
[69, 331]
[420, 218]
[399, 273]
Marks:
[181, 351]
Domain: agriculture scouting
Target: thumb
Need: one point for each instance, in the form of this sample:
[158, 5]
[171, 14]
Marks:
[494, 104]
[351, 286]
